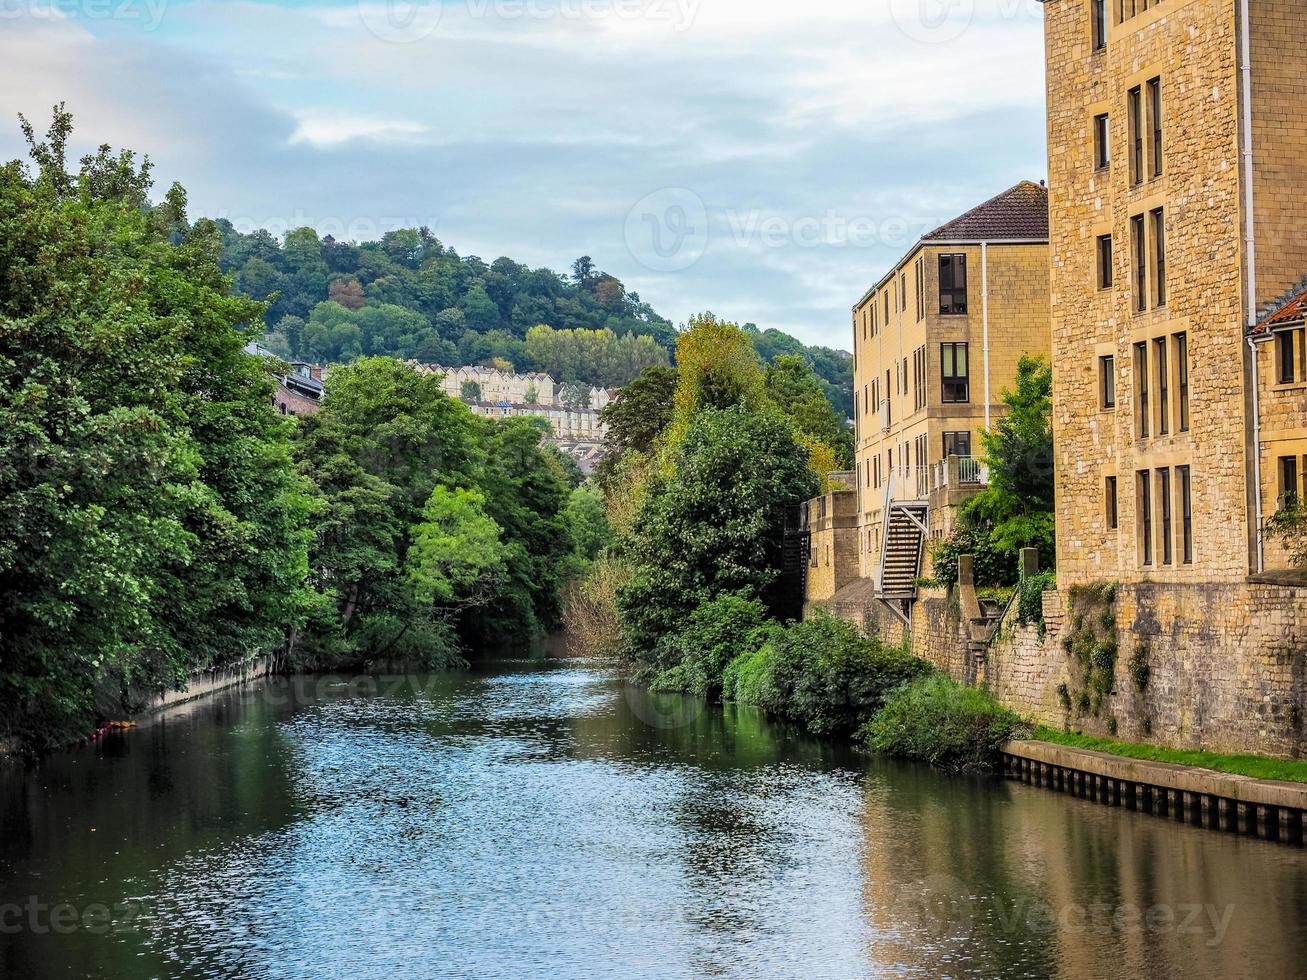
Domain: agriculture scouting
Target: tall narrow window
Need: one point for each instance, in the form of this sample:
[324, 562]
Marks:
[1164, 499]
[1163, 388]
[1104, 261]
[1159, 256]
[1145, 510]
[1138, 245]
[1102, 142]
[1135, 102]
[1182, 377]
[1109, 501]
[954, 375]
[1186, 515]
[1107, 381]
[1141, 390]
[1288, 481]
[1155, 117]
[953, 284]
[1098, 13]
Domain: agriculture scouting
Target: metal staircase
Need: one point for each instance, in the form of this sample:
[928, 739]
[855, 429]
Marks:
[903, 539]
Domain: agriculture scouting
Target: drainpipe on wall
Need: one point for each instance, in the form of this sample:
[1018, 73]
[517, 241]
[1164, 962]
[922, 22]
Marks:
[984, 316]
[1250, 250]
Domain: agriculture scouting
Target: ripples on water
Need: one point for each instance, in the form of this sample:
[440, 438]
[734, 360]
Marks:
[545, 820]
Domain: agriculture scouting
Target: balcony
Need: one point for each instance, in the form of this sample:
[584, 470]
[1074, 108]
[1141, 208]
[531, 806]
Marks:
[959, 473]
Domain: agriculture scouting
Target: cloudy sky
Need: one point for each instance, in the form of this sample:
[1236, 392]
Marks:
[766, 160]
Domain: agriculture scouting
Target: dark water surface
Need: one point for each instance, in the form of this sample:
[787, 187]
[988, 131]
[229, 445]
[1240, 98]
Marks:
[542, 819]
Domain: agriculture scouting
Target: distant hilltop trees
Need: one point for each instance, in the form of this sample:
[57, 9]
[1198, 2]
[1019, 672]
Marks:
[410, 296]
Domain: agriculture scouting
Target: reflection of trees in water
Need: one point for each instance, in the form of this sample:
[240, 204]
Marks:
[982, 877]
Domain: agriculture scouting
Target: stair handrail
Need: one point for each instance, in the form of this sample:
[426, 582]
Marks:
[884, 528]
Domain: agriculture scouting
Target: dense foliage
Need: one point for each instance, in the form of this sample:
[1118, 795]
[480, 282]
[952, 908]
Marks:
[821, 673]
[937, 720]
[716, 526]
[713, 636]
[160, 518]
[409, 295]
[153, 523]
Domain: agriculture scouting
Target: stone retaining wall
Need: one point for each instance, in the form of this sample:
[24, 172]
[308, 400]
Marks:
[1227, 664]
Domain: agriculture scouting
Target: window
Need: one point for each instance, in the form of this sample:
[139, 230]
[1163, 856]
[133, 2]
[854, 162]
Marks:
[919, 378]
[1107, 381]
[921, 288]
[1141, 390]
[1163, 388]
[887, 306]
[1155, 117]
[957, 444]
[954, 386]
[1288, 481]
[953, 284]
[1104, 251]
[1164, 498]
[1186, 515]
[1159, 256]
[1290, 356]
[1145, 510]
[1138, 244]
[903, 291]
[1135, 106]
[1102, 142]
[1098, 14]
[1109, 501]
[889, 408]
[1182, 372]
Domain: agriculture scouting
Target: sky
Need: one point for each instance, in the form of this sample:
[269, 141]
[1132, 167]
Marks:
[764, 160]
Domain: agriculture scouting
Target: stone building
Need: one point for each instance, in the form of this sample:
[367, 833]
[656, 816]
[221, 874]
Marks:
[1178, 197]
[935, 342]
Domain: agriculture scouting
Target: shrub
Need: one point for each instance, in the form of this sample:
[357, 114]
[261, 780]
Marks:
[823, 674]
[937, 720]
[590, 618]
[1030, 597]
[714, 635]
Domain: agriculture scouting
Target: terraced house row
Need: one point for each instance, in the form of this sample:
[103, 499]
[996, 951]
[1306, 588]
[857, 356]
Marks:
[1165, 271]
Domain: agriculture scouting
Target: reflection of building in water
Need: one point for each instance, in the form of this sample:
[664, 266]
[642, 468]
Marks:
[1035, 884]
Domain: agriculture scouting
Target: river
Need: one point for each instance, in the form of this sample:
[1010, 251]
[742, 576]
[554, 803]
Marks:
[543, 819]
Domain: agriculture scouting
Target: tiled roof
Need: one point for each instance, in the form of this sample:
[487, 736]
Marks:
[1289, 308]
[1020, 212]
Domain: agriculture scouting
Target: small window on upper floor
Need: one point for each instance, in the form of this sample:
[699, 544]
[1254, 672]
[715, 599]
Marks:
[1098, 27]
[1104, 260]
[1107, 381]
[1102, 142]
[1290, 356]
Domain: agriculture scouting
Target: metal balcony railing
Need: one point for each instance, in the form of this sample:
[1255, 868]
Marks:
[959, 473]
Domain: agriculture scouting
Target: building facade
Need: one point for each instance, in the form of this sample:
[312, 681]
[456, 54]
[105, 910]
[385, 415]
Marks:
[935, 342]
[1176, 132]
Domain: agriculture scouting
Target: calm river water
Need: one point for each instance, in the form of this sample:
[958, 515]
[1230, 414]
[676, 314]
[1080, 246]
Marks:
[543, 819]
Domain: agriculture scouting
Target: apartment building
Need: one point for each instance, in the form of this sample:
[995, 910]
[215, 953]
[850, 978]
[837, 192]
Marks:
[935, 342]
[1177, 135]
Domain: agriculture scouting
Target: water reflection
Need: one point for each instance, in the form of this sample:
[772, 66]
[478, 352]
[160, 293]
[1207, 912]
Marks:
[547, 820]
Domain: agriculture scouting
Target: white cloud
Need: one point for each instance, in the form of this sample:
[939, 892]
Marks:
[326, 128]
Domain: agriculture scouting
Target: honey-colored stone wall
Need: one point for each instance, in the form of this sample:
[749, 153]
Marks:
[1192, 48]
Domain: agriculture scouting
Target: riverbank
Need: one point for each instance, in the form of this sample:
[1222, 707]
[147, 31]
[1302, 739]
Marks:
[1267, 808]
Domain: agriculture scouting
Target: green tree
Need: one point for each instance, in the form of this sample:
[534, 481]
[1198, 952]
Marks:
[151, 521]
[587, 522]
[1017, 505]
[716, 525]
[456, 556]
[794, 387]
[470, 391]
